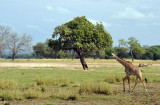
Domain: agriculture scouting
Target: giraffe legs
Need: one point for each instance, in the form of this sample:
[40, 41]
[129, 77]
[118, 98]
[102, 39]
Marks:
[124, 83]
[135, 83]
[129, 83]
[127, 77]
[143, 83]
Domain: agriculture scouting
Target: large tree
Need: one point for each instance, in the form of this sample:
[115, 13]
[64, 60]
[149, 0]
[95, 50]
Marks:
[82, 36]
[133, 46]
[18, 44]
[4, 32]
[39, 49]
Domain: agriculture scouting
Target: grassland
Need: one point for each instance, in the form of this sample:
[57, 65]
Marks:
[63, 81]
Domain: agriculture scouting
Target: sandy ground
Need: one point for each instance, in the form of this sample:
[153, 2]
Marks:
[55, 64]
[71, 65]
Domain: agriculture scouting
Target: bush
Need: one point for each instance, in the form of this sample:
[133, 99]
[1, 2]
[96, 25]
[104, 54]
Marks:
[51, 82]
[98, 88]
[45, 81]
[32, 94]
[5, 84]
[11, 94]
[113, 79]
[66, 94]
[36, 87]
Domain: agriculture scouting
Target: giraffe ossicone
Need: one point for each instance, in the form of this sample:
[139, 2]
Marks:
[113, 55]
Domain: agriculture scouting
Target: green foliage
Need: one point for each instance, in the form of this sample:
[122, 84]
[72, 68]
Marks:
[39, 49]
[80, 33]
[121, 52]
[108, 52]
[81, 36]
[63, 54]
[152, 53]
[133, 46]
[42, 50]
[138, 51]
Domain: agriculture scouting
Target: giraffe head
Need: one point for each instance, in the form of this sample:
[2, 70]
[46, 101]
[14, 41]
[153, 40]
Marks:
[113, 55]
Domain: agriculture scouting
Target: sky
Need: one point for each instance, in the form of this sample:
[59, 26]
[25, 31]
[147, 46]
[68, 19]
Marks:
[121, 18]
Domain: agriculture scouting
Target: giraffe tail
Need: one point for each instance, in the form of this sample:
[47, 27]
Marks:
[145, 77]
[146, 80]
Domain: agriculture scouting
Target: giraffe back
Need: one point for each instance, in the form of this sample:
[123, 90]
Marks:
[131, 69]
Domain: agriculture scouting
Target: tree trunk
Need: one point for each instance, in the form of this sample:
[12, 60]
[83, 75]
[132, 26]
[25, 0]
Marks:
[82, 57]
[84, 64]
[132, 55]
[0, 54]
[13, 56]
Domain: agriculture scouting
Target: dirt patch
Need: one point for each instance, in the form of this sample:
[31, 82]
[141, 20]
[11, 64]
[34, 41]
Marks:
[55, 64]
[72, 66]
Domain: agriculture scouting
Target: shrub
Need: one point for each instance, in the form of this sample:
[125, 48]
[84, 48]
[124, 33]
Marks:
[98, 88]
[36, 87]
[51, 82]
[32, 94]
[113, 79]
[45, 81]
[11, 94]
[110, 79]
[5, 84]
[65, 82]
[103, 88]
[66, 94]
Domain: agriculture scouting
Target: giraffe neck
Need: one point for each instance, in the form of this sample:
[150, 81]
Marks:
[123, 62]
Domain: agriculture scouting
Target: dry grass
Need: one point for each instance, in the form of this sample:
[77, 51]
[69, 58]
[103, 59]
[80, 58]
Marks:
[54, 82]
[98, 88]
[11, 94]
[65, 93]
[5, 84]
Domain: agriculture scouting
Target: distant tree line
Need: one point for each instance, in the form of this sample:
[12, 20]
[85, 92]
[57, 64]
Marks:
[41, 50]
[132, 49]
[13, 46]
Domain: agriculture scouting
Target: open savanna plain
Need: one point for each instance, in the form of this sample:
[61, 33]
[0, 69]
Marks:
[64, 82]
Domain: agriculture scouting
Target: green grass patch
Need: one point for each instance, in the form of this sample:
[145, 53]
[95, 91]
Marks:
[72, 83]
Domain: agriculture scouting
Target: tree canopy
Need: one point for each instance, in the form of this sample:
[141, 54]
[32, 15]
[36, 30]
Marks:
[82, 36]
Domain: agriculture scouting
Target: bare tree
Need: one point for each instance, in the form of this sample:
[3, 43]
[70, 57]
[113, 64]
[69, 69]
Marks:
[19, 44]
[4, 32]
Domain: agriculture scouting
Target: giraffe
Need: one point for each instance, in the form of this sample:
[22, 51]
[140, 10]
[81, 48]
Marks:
[130, 69]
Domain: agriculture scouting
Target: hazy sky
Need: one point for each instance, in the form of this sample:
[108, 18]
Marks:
[121, 18]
